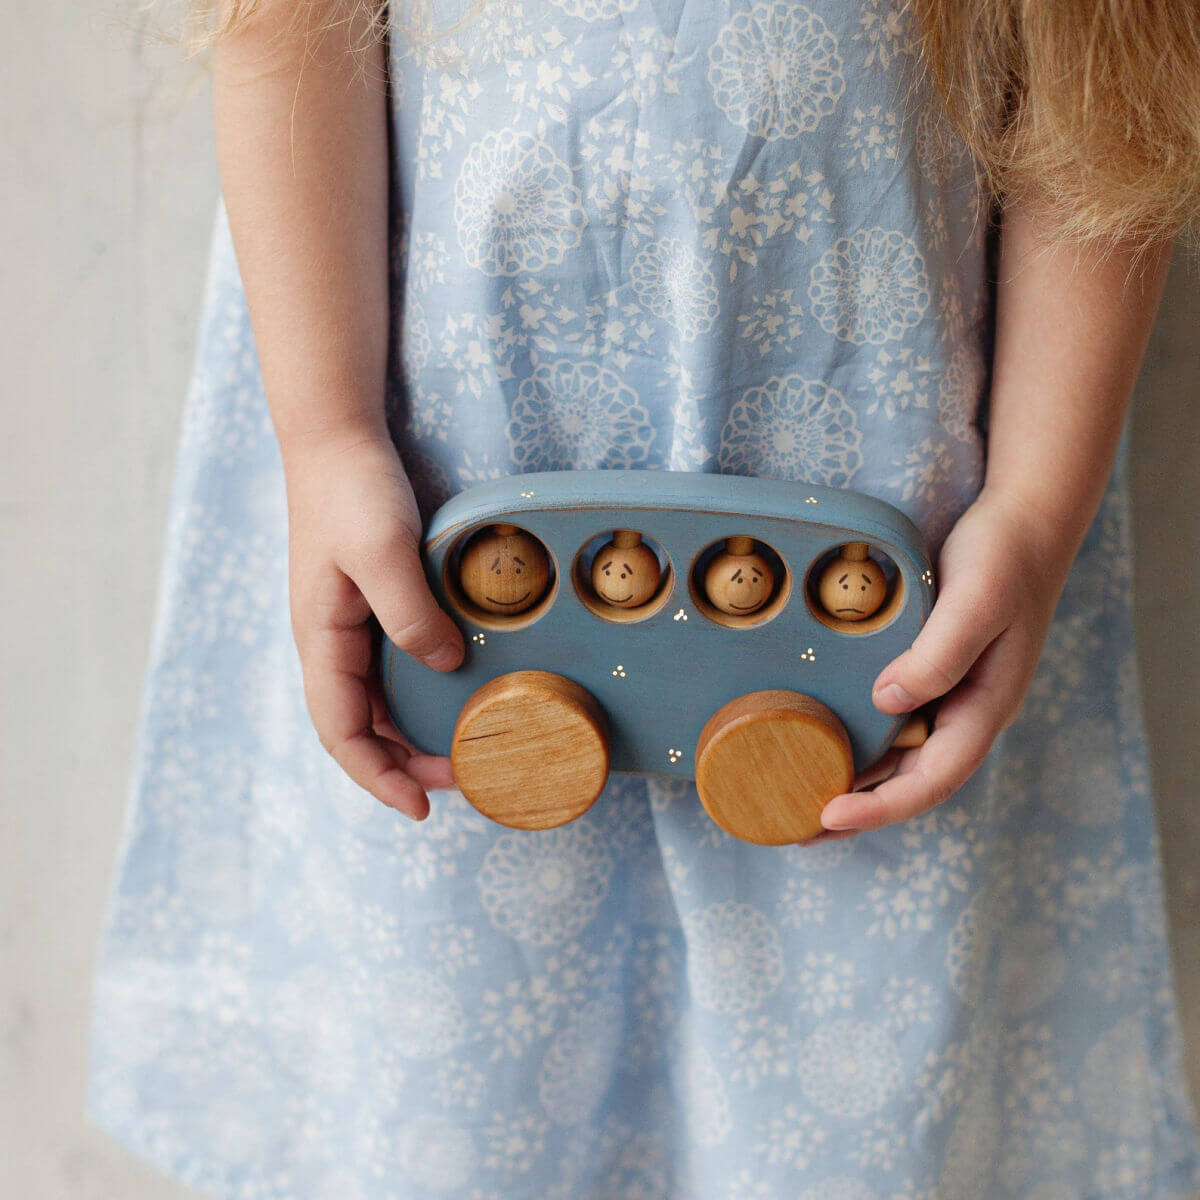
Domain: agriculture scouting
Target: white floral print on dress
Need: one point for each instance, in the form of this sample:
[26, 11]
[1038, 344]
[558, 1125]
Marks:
[576, 415]
[423, 1015]
[839, 1187]
[596, 10]
[1091, 790]
[849, 1068]
[676, 284]
[580, 1062]
[437, 1153]
[775, 70]
[545, 887]
[515, 205]
[870, 287]
[413, 335]
[958, 392]
[705, 1099]
[735, 960]
[792, 428]
[1030, 968]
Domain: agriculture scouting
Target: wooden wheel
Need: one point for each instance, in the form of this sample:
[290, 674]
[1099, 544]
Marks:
[913, 733]
[530, 750]
[768, 762]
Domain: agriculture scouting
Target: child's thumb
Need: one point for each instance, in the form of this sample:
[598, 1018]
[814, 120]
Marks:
[958, 631]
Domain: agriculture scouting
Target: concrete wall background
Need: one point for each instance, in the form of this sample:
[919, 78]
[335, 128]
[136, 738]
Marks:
[109, 194]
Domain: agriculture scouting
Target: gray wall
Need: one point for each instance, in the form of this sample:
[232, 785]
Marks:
[109, 196]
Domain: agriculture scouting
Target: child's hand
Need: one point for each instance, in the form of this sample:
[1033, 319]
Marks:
[1001, 575]
[354, 534]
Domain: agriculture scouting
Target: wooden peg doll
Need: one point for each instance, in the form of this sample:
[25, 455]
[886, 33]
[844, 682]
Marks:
[504, 570]
[739, 580]
[625, 571]
[853, 586]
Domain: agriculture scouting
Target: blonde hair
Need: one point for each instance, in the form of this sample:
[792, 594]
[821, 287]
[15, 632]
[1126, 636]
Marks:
[1088, 109]
[211, 21]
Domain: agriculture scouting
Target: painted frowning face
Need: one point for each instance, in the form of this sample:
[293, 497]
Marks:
[504, 570]
[852, 589]
[625, 576]
[738, 584]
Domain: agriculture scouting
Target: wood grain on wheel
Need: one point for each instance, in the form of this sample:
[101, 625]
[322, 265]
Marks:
[530, 750]
[768, 762]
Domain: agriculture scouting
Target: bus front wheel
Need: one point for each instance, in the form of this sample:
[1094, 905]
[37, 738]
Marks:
[768, 762]
[530, 750]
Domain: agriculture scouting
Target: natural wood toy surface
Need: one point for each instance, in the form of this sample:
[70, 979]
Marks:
[625, 571]
[530, 750]
[504, 570]
[587, 661]
[768, 762]
[853, 586]
[738, 580]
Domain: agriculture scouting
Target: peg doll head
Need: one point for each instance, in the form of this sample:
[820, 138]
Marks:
[738, 580]
[625, 571]
[504, 570]
[853, 586]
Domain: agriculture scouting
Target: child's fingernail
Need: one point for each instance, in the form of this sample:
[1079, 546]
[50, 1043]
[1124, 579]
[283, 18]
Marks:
[443, 658]
[894, 696]
[840, 816]
[838, 820]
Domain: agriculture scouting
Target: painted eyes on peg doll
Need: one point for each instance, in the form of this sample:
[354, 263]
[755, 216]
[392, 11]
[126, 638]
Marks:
[504, 570]
[625, 571]
[853, 586]
[738, 580]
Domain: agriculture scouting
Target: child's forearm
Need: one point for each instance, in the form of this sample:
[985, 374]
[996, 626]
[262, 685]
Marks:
[302, 150]
[1071, 329]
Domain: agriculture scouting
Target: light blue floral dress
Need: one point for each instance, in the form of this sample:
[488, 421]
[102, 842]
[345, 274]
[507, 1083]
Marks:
[707, 236]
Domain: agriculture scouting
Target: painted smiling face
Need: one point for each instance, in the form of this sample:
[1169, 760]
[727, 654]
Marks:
[504, 570]
[625, 572]
[739, 581]
[853, 586]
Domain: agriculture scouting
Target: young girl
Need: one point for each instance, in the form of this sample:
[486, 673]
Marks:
[745, 236]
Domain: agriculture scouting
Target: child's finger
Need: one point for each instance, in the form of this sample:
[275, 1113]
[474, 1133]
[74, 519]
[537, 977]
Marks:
[828, 835]
[955, 749]
[392, 579]
[431, 771]
[968, 722]
[877, 772]
[892, 763]
[381, 719]
[959, 629]
[341, 715]
[337, 664]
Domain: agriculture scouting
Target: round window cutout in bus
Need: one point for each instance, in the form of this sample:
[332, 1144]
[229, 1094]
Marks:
[739, 582]
[500, 576]
[854, 588]
[622, 575]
